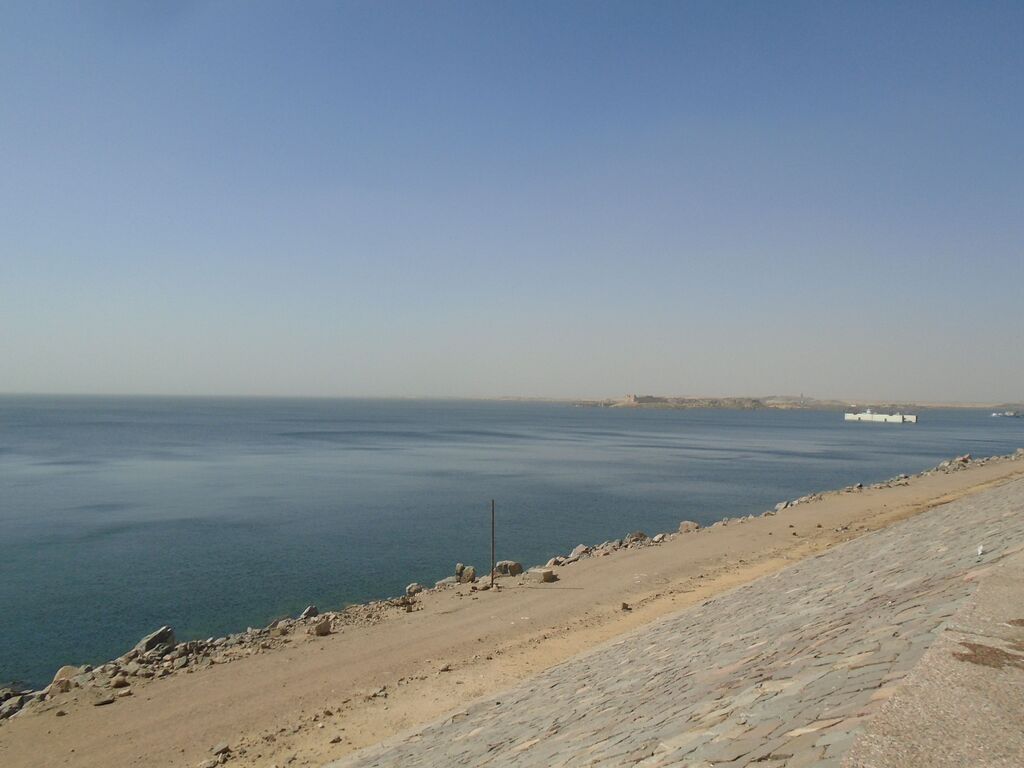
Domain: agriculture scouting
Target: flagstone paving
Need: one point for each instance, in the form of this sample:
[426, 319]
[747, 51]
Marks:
[785, 671]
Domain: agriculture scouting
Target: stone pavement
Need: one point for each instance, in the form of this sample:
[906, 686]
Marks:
[963, 704]
[786, 671]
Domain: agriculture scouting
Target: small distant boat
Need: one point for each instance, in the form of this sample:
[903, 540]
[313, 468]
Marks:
[1009, 415]
[887, 418]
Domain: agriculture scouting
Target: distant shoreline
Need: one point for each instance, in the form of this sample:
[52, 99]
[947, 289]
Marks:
[662, 402]
[651, 402]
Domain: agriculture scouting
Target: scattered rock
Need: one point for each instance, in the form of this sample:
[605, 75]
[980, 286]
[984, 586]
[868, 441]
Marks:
[634, 537]
[544, 575]
[508, 568]
[658, 538]
[413, 589]
[103, 700]
[625, 607]
[221, 749]
[467, 575]
[554, 561]
[688, 526]
[578, 551]
[322, 628]
[309, 613]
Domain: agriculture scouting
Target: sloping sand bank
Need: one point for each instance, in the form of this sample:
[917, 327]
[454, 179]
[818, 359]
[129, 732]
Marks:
[318, 698]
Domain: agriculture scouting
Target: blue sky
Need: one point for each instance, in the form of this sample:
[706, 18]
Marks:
[475, 199]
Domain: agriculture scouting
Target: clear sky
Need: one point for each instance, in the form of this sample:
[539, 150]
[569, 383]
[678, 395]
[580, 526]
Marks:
[475, 199]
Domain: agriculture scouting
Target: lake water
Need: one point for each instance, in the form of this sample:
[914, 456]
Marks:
[118, 515]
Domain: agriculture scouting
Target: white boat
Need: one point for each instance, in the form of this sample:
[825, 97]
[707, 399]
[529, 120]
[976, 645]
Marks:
[887, 418]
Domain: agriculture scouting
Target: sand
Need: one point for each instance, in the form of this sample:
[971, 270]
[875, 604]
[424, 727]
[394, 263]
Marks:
[319, 698]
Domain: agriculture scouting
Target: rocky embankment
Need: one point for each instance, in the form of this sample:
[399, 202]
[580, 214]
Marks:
[160, 654]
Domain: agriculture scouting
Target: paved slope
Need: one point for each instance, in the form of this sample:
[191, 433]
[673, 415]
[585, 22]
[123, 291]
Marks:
[786, 671]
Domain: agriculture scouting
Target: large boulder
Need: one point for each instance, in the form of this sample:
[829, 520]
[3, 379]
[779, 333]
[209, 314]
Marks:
[310, 612]
[162, 639]
[467, 575]
[66, 673]
[688, 526]
[508, 568]
[413, 589]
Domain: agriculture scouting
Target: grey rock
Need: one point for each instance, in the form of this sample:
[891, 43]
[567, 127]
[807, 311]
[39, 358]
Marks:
[310, 612]
[688, 526]
[12, 705]
[467, 575]
[163, 637]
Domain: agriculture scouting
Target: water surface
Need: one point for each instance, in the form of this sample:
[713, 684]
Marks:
[121, 514]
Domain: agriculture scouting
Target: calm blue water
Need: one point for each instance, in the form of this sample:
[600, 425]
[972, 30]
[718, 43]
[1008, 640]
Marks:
[121, 514]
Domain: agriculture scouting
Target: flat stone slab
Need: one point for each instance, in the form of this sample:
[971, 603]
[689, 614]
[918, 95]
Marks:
[788, 670]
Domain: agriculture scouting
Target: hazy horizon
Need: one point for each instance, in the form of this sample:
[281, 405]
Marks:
[561, 200]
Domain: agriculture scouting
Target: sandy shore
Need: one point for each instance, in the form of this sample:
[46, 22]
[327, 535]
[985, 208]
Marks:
[318, 698]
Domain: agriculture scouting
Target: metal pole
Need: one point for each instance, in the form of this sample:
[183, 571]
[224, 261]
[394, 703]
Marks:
[492, 542]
